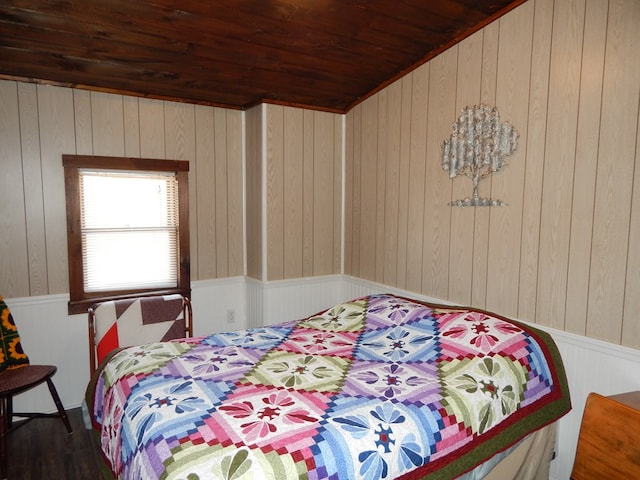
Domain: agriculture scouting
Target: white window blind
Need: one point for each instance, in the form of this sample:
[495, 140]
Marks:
[129, 224]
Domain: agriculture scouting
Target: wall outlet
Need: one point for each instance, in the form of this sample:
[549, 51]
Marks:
[231, 315]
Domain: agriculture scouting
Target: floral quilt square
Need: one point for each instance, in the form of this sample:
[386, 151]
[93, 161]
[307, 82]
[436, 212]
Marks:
[270, 418]
[384, 311]
[319, 342]
[260, 338]
[164, 405]
[483, 391]
[346, 317]
[414, 383]
[302, 372]
[411, 342]
[376, 438]
[142, 359]
[204, 461]
[466, 333]
[218, 363]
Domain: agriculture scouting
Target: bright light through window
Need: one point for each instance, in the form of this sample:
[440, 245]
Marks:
[129, 223]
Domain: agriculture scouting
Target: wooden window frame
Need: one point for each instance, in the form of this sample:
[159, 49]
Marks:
[79, 300]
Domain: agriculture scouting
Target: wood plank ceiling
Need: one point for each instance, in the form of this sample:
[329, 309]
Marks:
[321, 54]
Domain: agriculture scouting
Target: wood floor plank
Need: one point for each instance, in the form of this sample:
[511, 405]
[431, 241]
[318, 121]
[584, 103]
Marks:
[43, 449]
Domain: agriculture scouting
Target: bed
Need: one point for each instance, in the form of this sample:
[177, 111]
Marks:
[378, 387]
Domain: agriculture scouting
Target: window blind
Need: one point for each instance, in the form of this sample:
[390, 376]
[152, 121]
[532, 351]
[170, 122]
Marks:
[129, 229]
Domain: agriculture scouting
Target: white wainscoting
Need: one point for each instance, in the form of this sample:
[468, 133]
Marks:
[254, 303]
[52, 336]
[212, 302]
[290, 299]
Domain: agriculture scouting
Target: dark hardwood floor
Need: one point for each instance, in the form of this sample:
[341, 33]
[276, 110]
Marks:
[42, 449]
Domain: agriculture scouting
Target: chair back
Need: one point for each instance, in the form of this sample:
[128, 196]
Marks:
[136, 321]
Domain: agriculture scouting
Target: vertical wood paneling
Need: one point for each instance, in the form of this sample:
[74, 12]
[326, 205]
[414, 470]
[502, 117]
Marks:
[43, 122]
[83, 123]
[293, 191]
[562, 117]
[205, 199]
[235, 203]
[254, 173]
[151, 115]
[416, 181]
[534, 162]
[356, 189]
[338, 154]
[180, 138]
[368, 182]
[221, 180]
[512, 92]
[33, 195]
[406, 143]
[595, 28]
[275, 190]
[489, 73]
[562, 254]
[437, 190]
[13, 248]
[131, 112]
[107, 124]
[462, 219]
[55, 111]
[384, 163]
[630, 323]
[304, 189]
[564, 73]
[349, 193]
[323, 175]
[308, 195]
[180, 134]
[618, 128]
[391, 133]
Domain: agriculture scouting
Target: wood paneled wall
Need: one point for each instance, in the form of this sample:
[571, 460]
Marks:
[303, 151]
[254, 213]
[39, 123]
[565, 252]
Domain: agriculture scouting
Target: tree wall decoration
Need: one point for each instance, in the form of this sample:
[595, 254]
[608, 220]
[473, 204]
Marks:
[477, 148]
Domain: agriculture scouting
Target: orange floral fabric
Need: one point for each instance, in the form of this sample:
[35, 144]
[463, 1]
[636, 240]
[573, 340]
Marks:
[11, 353]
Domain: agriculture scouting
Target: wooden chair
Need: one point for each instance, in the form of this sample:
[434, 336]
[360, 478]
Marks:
[136, 321]
[18, 376]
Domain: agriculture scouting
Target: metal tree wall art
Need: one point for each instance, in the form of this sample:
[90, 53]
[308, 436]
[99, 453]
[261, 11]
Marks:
[477, 148]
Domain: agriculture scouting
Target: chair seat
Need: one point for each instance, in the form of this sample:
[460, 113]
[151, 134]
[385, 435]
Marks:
[19, 379]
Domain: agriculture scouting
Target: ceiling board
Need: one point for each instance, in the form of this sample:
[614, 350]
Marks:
[321, 54]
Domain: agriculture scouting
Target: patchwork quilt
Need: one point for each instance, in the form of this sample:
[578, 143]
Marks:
[381, 387]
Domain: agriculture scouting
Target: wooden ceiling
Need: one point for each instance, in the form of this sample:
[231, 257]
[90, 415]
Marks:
[321, 54]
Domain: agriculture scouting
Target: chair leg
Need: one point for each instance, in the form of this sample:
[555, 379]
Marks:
[3, 437]
[8, 413]
[59, 406]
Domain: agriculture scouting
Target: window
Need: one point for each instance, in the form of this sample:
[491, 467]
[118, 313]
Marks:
[127, 228]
